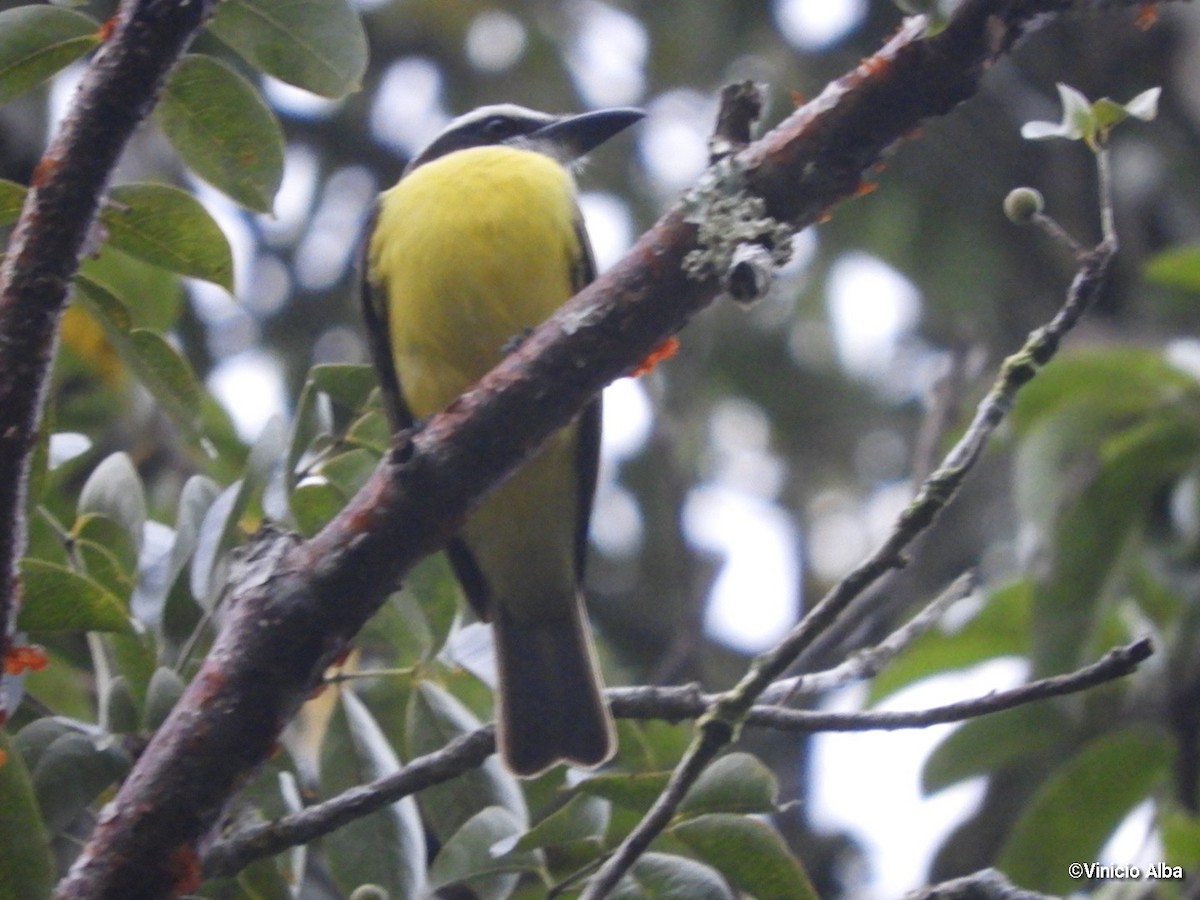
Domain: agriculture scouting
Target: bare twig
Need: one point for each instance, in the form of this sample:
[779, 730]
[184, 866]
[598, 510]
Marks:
[460, 755]
[870, 661]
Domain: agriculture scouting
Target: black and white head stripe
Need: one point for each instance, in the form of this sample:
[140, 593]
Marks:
[565, 138]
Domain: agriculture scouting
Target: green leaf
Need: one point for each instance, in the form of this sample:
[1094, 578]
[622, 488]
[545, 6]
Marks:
[1101, 434]
[37, 41]
[1092, 532]
[634, 792]
[223, 129]
[433, 718]
[33, 740]
[735, 783]
[1144, 106]
[1114, 383]
[72, 771]
[12, 198]
[371, 431]
[387, 847]
[318, 45]
[219, 527]
[349, 385]
[152, 296]
[163, 692]
[1180, 832]
[58, 599]
[121, 708]
[468, 856]
[169, 228]
[28, 870]
[156, 577]
[314, 504]
[657, 875]
[581, 818]
[748, 852]
[159, 367]
[114, 490]
[349, 471]
[135, 657]
[107, 554]
[1177, 268]
[1078, 807]
[994, 742]
[435, 590]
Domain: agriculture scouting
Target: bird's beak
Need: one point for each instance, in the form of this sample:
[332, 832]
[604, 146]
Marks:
[581, 134]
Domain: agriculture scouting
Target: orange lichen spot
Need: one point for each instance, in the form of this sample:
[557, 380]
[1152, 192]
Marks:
[1146, 16]
[665, 350]
[184, 868]
[879, 168]
[107, 29]
[44, 170]
[866, 187]
[798, 98]
[825, 216]
[3, 758]
[25, 658]
[873, 65]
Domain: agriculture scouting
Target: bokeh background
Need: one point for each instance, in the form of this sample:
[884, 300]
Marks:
[745, 475]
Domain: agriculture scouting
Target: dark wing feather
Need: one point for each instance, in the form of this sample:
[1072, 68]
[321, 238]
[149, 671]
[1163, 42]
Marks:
[375, 315]
[587, 451]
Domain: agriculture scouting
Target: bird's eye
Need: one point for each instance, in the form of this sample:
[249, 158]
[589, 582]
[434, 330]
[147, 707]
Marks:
[497, 127]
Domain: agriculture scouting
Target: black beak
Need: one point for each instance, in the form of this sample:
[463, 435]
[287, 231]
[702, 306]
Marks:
[585, 132]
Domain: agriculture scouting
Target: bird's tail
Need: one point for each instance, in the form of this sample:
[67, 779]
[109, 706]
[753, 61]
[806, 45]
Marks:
[551, 708]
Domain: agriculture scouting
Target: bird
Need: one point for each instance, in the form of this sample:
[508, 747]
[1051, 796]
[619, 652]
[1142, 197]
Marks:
[480, 241]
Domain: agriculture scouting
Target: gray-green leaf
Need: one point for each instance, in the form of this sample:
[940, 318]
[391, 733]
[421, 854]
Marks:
[222, 128]
[318, 45]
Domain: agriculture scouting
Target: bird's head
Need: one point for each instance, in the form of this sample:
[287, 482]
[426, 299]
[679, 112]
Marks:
[566, 138]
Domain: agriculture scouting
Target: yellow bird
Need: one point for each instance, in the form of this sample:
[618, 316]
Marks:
[480, 241]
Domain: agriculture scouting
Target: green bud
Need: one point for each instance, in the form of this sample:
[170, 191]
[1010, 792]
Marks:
[1022, 204]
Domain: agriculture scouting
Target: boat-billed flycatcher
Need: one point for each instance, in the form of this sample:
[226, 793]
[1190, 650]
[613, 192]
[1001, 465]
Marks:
[480, 241]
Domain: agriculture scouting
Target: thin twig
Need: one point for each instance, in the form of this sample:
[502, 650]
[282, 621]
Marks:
[870, 661]
[1108, 224]
[229, 856]
[460, 755]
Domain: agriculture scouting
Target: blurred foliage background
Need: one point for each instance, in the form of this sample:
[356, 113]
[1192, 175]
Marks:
[747, 473]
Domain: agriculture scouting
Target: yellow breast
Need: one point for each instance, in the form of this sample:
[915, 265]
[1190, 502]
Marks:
[473, 249]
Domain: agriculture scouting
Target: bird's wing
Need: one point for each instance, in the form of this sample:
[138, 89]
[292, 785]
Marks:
[375, 315]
